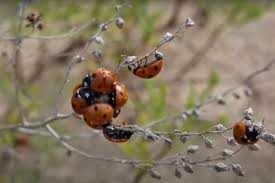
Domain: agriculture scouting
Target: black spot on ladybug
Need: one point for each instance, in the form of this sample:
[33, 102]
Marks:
[104, 115]
[156, 68]
[95, 108]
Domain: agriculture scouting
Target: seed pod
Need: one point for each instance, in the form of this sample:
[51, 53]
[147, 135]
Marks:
[120, 22]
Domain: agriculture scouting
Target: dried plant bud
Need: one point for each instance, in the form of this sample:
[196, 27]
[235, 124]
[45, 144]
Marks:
[237, 169]
[103, 27]
[189, 22]
[254, 147]
[220, 167]
[97, 54]
[231, 141]
[220, 127]
[236, 95]
[69, 153]
[220, 100]
[155, 174]
[248, 92]
[184, 138]
[99, 40]
[178, 173]
[168, 36]
[248, 113]
[188, 168]
[120, 22]
[78, 59]
[227, 153]
[196, 112]
[268, 137]
[208, 143]
[192, 149]
[7, 154]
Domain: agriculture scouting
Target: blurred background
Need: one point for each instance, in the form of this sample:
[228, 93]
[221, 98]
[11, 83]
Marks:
[231, 39]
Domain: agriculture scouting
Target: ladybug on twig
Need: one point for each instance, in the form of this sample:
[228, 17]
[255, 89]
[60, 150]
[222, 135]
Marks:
[245, 132]
[116, 133]
[148, 70]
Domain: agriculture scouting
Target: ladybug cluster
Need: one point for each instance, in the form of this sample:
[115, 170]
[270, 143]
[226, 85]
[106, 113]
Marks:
[146, 69]
[99, 99]
[34, 21]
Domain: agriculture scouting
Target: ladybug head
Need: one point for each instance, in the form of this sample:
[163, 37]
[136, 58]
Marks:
[253, 132]
[158, 55]
[87, 80]
[86, 94]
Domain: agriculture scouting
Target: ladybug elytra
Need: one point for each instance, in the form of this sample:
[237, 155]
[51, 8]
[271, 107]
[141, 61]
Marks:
[98, 114]
[103, 80]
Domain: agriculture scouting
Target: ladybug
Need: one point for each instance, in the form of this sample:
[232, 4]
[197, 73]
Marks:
[149, 70]
[245, 133]
[98, 115]
[103, 80]
[121, 95]
[81, 99]
[116, 134]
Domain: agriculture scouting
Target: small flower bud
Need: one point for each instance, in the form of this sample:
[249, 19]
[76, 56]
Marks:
[189, 22]
[237, 169]
[208, 143]
[168, 36]
[79, 59]
[103, 27]
[231, 141]
[220, 127]
[184, 138]
[248, 92]
[221, 167]
[97, 54]
[188, 168]
[178, 173]
[99, 40]
[227, 152]
[154, 174]
[192, 149]
[120, 22]
[254, 147]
